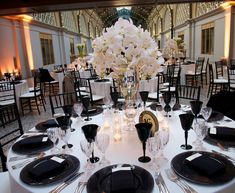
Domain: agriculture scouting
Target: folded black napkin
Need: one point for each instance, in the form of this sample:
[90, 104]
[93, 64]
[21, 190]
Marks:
[50, 123]
[123, 182]
[46, 169]
[205, 165]
[224, 133]
[35, 141]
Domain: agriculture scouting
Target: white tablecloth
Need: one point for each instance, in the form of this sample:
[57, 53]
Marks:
[126, 151]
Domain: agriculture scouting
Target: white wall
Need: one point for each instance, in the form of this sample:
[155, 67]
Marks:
[219, 21]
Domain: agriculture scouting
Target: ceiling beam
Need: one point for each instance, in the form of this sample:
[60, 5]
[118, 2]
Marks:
[10, 7]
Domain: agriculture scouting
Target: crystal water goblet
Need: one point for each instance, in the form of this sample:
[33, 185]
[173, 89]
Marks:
[154, 145]
[102, 142]
[206, 113]
[65, 134]
[130, 113]
[53, 135]
[87, 149]
[201, 129]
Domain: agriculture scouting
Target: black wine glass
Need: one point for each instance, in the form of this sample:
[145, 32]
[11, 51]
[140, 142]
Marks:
[64, 123]
[186, 121]
[143, 130]
[76, 66]
[144, 96]
[114, 97]
[167, 100]
[196, 107]
[68, 111]
[90, 132]
[86, 104]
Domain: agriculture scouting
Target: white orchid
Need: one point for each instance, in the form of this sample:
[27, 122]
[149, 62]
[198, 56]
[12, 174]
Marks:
[124, 46]
[170, 49]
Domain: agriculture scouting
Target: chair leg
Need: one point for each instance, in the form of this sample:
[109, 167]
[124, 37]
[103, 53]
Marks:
[22, 107]
[36, 101]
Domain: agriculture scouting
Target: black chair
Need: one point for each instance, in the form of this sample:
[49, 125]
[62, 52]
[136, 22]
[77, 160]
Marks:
[11, 133]
[34, 98]
[49, 84]
[83, 85]
[59, 101]
[195, 78]
[216, 84]
[205, 71]
[7, 93]
[231, 78]
[187, 92]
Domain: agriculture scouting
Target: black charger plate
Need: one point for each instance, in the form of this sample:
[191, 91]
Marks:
[23, 147]
[180, 167]
[72, 166]
[101, 181]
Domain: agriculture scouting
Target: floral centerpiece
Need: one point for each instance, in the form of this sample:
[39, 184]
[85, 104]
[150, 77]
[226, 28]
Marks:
[81, 50]
[124, 47]
[170, 50]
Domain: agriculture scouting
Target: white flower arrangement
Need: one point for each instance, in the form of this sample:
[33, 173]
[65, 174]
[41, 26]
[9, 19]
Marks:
[170, 49]
[123, 47]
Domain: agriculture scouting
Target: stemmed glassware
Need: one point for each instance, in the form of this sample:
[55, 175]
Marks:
[167, 100]
[154, 145]
[87, 149]
[143, 131]
[130, 113]
[162, 136]
[86, 104]
[90, 132]
[144, 96]
[78, 108]
[114, 97]
[200, 129]
[186, 121]
[206, 113]
[102, 142]
[53, 135]
[196, 108]
[65, 134]
[65, 130]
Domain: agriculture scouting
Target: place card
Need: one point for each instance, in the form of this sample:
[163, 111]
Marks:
[194, 156]
[57, 159]
[213, 130]
[44, 139]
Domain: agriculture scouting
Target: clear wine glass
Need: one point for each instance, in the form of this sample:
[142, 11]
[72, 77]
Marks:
[87, 149]
[53, 135]
[102, 142]
[107, 103]
[130, 113]
[200, 128]
[206, 112]
[154, 145]
[78, 108]
[65, 134]
[163, 136]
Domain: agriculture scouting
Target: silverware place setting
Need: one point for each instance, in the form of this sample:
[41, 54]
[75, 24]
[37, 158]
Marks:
[182, 184]
[160, 183]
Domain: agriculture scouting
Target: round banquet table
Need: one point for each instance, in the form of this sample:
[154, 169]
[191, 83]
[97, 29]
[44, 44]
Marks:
[126, 151]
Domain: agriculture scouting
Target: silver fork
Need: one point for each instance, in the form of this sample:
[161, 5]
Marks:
[21, 164]
[183, 185]
[80, 187]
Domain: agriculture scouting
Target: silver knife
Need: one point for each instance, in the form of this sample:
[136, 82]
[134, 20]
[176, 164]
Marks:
[228, 157]
[66, 182]
[17, 158]
[163, 183]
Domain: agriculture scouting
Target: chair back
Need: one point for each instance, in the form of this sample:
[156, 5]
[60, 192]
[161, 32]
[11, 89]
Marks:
[9, 114]
[199, 66]
[231, 78]
[219, 69]
[188, 92]
[211, 73]
[7, 93]
[58, 101]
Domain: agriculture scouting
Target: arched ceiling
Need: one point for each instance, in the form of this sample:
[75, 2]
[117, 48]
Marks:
[138, 14]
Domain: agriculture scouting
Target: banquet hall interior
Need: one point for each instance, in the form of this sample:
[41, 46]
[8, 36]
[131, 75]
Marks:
[53, 51]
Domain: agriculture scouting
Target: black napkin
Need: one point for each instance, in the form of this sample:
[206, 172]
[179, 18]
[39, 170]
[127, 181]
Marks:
[123, 182]
[224, 133]
[46, 169]
[50, 123]
[33, 142]
[206, 165]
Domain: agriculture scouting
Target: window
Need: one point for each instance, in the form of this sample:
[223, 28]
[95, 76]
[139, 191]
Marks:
[71, 43]
[207, 38]
[47, 49]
